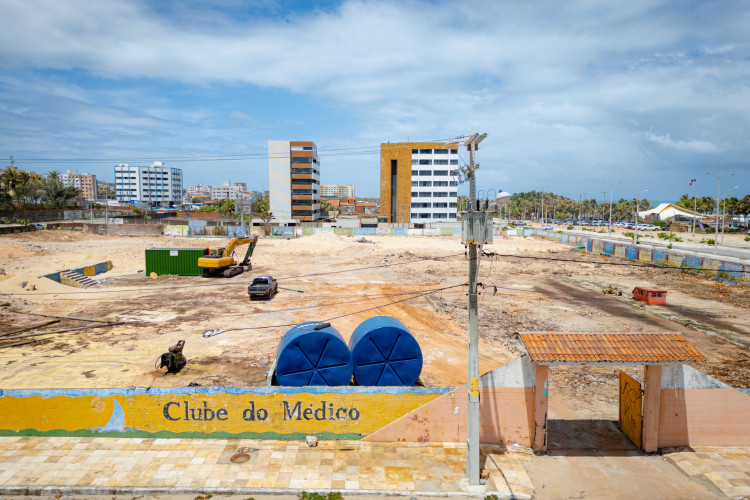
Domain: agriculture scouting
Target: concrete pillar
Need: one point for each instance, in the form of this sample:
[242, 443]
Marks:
[651, 407]
[540, 408]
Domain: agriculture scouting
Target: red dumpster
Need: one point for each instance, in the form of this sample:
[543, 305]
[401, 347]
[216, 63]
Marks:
[650, 295]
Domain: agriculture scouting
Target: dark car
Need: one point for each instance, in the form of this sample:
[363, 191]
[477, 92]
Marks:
[262, 287]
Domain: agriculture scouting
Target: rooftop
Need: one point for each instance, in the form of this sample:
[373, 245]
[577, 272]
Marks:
[619, 348]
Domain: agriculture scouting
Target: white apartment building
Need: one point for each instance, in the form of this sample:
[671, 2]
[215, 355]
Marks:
[156, 184]
[434, 187]
[337, 191]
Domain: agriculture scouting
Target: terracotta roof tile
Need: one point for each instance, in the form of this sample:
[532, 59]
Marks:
[608, 347]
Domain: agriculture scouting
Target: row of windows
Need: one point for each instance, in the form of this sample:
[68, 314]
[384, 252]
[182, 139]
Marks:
[434, 194]
[423, 173]
[433, 205]
[434, 183]
[305, 181]
[304, 171]
[301, 148]
[297, 159]
[434, 151]
[434, 162]
[441, 215]
[304, 191]
[305, 213]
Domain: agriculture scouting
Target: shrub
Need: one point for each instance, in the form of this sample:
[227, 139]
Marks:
[570, 226]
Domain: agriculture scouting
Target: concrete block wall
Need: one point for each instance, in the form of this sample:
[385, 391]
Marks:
[659, 256]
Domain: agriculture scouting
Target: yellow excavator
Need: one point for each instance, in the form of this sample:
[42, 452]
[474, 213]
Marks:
[220, 261]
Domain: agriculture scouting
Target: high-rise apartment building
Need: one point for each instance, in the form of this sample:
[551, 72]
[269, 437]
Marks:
[418, 182]
[156, 184]
[86, 183]
[337, 190]
[294, 180]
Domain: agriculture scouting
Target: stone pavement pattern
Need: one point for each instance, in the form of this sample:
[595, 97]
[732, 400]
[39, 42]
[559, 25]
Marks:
[252, 466]
[728, 468]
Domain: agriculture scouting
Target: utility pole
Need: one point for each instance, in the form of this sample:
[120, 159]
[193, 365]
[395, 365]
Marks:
[472, 427]
[635, 229]
[695, 201]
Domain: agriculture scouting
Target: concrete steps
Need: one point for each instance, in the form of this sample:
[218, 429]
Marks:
[73, 278]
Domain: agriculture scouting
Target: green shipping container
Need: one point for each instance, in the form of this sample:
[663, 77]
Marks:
[179, 261]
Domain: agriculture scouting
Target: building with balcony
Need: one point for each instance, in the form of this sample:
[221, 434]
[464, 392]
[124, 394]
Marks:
[337, 190]
[418, 182]
[294, 180]
[156, 184]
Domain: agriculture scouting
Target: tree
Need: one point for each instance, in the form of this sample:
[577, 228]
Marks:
[261, 206]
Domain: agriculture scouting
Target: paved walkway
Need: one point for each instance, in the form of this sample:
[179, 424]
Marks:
[49, 465]
[727, 468]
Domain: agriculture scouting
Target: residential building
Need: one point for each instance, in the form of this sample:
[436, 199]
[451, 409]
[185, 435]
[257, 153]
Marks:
[156, 184]
[294, 180]
[418, 182]
[86, 183]
[337, 190]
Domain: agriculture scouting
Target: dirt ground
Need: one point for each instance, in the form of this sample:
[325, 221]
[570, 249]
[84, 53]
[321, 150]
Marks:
[540, 285]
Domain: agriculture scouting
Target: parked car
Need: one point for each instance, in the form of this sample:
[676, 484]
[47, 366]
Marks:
[546, 227]
[39, 227]
[519, 223]
[262, 287]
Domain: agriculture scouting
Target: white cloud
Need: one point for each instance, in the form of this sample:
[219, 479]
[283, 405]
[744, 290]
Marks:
[693, 146]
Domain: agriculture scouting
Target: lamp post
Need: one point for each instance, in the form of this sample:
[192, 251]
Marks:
[609, 223]
[637, 209]
[724, 217]
[695, 201]
[718, 199]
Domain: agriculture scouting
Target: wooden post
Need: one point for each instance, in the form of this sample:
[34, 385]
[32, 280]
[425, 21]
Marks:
[540, 408]
[651, 407]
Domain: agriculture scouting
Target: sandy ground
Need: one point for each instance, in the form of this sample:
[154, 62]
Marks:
[345, 280]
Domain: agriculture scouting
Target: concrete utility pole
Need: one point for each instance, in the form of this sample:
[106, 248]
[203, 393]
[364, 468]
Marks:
[695, 201]
[718, 200]
[472, 427]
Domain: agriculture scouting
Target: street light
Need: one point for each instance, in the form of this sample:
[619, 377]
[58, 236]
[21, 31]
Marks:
[609, 224]
[718, 199]
[637, 209]
[695, 201]
[724, 217]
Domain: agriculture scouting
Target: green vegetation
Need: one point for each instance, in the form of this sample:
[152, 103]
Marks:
[570, 226]
[25, 190]
[669, 236]
[707, 241]
[334, 495]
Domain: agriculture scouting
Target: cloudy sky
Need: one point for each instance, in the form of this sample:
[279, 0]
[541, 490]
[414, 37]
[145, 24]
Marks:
[574, 96]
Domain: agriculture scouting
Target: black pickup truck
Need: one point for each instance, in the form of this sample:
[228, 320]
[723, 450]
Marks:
[262, 287]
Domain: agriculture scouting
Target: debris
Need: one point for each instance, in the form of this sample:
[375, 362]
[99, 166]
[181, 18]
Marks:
[153, 275]
[312, 441]
[46, 323]
[211, 333]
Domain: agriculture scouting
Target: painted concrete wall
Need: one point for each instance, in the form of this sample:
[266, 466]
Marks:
[127, 229]
[696, 409]
[261, 412]
[506, 411]
[725, 270]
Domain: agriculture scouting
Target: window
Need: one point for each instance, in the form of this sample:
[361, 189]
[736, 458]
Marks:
[301, 191]
[440, 151]
[454, 173]
[301, 170]
[425, 162]
[453, 194]
[414, 151]
[440, 172]
[425, 172]
[425, 195]
[425, 151]
[415, 183]
[440, 205]
[296, 159]
[454, 151]
[454, 183]
[421, 205]
[440, 183]
[425, 183]
[454, 162]
[440, 216]
[414, 162]
[414, 194]
[440, 162]
[300, 181]
[439, 194]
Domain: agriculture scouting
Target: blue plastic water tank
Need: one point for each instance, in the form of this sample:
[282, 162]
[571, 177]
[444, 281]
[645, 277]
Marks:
[385, 353]
[307, 356]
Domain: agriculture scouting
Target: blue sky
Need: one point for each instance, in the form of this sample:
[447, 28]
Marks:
[574, 96]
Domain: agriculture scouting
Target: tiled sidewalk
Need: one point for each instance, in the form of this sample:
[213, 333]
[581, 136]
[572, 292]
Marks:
[728, 468]
[107, 465]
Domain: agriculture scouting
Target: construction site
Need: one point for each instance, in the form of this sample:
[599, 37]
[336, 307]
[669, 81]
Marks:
[111, 332]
